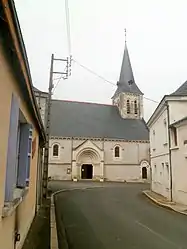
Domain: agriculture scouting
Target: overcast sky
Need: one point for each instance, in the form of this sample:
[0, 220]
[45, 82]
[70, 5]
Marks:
[156, 40]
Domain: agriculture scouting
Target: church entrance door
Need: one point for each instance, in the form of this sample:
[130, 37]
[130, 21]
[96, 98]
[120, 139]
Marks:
[87, 171]
[144, 173]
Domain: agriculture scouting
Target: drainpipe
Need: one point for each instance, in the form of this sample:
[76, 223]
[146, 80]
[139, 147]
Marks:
[103, 159]
[71, 156]
[169, 144]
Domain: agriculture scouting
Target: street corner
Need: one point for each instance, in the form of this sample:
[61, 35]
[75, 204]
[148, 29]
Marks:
[163, 202]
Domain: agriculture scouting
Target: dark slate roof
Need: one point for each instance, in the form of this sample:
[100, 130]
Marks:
[182, 90]
[36, 89]
[77, 119]
[126, 81]
[39, 91]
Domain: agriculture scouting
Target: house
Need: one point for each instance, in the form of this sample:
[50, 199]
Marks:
[98, 141]
[41, 98]
[22, 135]
[168, 136]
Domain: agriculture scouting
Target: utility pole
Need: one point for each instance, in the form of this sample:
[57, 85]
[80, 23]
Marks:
[48, 110]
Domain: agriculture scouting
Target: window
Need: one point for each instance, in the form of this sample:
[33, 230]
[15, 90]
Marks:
[162, 170]
[130, 82]
[167, 169]
[174, 131]
[153, 141]
[128, 106]
[135, 107]
[154, 175]
[18, 153]
[166, 132]
[55, 150]
[24, 156]
[117, 151]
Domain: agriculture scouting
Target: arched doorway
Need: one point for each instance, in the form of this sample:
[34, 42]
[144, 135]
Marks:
[144, 173]
[87, 171]
[88, 161]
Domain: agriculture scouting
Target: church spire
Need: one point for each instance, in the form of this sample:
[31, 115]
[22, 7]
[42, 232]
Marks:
[126, 81]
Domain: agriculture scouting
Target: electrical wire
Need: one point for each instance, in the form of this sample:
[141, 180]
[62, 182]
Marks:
[151, 100]
[68, 26]
[94, 73]
[59, 79]
[101, 77]
[81, 65]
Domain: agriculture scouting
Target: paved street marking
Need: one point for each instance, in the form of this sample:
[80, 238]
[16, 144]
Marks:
[158, 235]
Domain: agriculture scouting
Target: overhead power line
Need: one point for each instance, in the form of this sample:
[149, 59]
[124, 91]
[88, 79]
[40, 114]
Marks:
[59, 79]
[94, 73]
[152, 100]
[70, 53]
[101, 77]
[68, 26]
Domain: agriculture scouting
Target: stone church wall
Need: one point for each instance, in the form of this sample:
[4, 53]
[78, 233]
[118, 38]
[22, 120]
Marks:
[122, 172]
[128, 166]
[98, 143]
[125, 168]
[60, 167]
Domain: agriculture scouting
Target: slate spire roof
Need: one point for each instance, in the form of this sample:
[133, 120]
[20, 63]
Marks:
[126, 81]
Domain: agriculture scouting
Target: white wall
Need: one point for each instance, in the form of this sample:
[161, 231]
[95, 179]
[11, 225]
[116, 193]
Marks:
[60, 167]
[158, 133]
[177, 110]
[127, 167]
[131, 152]
[122, 172]
[179, 167]
[161, 175]
[159, 151]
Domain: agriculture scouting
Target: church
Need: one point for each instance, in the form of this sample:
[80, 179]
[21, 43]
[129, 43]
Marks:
[98, 141]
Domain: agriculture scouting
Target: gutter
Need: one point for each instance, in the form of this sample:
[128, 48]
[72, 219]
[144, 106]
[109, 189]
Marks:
[14, 29]
[169, 144]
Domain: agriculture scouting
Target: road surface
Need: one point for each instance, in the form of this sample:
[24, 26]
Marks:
[117, 216]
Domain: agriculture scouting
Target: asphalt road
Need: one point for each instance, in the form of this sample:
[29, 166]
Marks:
[117, 216]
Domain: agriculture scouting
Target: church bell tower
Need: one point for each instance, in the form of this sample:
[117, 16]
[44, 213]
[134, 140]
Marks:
[128, 96]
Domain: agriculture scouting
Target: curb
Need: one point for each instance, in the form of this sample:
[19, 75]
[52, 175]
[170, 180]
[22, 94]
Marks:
[168, 206]
[53, 227]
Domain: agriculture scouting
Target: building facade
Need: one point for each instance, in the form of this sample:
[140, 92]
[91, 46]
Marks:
[96, 141]
[22, 135]
[167, 146]
[99, 159]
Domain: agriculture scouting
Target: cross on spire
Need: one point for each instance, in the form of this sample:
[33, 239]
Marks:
[125, 35]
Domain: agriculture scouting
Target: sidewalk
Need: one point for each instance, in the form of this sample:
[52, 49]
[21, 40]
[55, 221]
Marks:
[39, 233]
[162, 201]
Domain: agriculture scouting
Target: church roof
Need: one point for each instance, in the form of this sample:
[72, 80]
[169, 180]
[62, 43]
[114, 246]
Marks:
[126, 81]
[182, 90]
[78, 119]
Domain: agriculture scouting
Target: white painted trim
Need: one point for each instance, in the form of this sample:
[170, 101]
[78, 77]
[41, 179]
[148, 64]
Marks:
[100, 139]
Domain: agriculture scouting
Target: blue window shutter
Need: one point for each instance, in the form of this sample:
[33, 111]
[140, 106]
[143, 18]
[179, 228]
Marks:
[29, 154]
[10, 182]
[23, 155]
